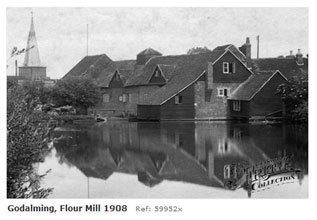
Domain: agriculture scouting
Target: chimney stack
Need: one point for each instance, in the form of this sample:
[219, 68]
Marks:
[290, 56]
[299, 58]
[246, 50]
[258, 47]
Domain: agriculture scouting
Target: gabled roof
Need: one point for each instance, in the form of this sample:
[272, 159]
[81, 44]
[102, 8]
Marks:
[188, 68]
[149, 51]
[248, 89]
[167, 70]
[90, 64]
[125, 74]
[288, 67]
[107, 75]
[233, 49]
[223, 47]
[143, 75]
[101, 69]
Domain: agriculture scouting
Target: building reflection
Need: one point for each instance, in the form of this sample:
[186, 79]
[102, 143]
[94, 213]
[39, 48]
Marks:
[193, 152]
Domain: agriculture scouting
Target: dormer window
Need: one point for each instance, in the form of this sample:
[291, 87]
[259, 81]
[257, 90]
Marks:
[228, 68]
[157, 76]
[117, 77]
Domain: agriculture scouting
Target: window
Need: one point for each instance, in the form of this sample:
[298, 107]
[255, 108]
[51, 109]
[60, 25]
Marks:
[120, 98]
[117, 78]
[236, 105]
[124, 97]
[223, 146]
[226, 171]
[130, 97]
[225, 67]
[230, 171]
[223, 92]
[157, 73]
[237, 133]
[178, 99]
[105, 98]
[228, 68]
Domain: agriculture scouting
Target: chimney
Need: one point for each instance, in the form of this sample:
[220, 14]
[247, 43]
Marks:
[290, 56]
[210, 75]
[246, 50]
[299, 58]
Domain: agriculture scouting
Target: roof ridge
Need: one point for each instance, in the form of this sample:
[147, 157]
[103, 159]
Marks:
[101, 55]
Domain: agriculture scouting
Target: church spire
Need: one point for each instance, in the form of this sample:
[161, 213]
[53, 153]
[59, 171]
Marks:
[32, 55]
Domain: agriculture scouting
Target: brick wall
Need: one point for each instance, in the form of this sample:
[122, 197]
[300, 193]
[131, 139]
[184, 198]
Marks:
[213, 107]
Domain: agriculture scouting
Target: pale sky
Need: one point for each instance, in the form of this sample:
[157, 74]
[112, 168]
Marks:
[121, 33]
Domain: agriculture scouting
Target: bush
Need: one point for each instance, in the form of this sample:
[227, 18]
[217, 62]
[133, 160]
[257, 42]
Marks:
[295, 96]
[27, 145]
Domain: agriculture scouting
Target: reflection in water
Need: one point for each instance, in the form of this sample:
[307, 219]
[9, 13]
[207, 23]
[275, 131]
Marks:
[190, 152]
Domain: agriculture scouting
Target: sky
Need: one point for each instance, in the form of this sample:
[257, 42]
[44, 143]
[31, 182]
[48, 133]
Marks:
[121, 33]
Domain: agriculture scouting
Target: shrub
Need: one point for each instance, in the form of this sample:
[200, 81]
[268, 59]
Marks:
[27, 145]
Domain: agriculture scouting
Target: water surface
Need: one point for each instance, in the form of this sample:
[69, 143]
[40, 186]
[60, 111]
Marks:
[170, 159]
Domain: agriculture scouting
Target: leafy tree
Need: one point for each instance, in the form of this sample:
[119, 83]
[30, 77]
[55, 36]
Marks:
[198, 50]
[35, 90]
[295, 96]
[79, 92]
[27, 144]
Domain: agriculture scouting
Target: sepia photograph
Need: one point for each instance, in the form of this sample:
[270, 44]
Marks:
[157, 102]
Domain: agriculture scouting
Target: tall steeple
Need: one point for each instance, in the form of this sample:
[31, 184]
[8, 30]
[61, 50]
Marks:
[32, 55]
[32, 68]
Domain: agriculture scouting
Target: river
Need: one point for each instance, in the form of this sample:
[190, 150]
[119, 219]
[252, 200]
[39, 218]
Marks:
[121, 159]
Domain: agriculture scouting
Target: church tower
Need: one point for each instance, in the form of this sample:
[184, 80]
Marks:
[32, 68]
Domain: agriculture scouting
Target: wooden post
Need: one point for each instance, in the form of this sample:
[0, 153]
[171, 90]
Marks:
[16, 67]
[258, 47]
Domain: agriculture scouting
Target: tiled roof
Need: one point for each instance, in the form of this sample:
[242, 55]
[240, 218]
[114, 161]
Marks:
[143, 75]
[187, 69]
[288, 67]
[223, 47]
[106, 75]
[233, 49]
[252, 85]
[90, 64]
[125, 64]
[149, 51]
[101, 69]
[126, 74]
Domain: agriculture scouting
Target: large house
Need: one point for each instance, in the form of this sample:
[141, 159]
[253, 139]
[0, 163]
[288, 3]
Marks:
[224, 83]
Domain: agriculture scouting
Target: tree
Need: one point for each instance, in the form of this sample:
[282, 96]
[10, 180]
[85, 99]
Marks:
[295, 96]
[27, 145]
[198, 50]
[36, 90]
[79, 92]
